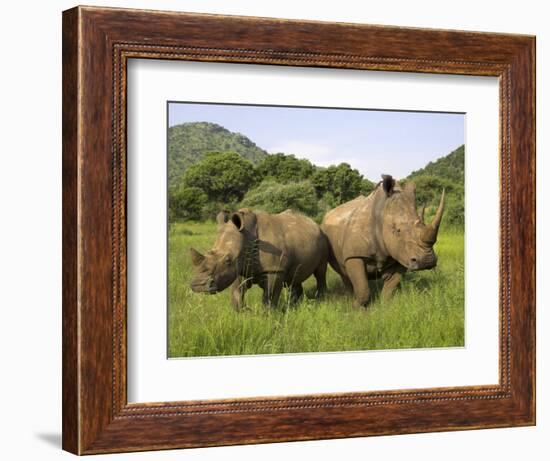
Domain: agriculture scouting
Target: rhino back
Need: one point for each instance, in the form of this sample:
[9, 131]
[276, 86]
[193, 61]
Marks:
[350, 229]
[290, 242]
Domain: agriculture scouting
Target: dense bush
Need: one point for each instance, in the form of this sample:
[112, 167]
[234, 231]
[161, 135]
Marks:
[226, 180]
[186, 203]
[223, 177]
[274, 197]
[326, 203]
[367, 186]
[284, 168]
[342, 181]
[223, 180]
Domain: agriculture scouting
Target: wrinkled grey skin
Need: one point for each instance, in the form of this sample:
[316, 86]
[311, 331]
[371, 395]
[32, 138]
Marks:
[271, 251]
[380, 235]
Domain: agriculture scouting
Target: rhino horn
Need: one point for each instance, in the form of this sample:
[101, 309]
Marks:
[430, 234]
[196, 257]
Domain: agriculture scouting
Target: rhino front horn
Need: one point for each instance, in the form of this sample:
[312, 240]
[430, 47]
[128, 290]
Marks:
[430, 234]
[196, 257]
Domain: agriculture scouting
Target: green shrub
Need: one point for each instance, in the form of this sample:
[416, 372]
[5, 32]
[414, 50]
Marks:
[274, 197]
[367, 186]
[326, 203]
[284, 168]
[185, 203]
[223, 177]
[342, 181]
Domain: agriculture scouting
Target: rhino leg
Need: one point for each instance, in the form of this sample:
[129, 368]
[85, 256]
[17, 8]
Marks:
[272, 286]
[238, 289]
[347, 283]
[355, 269]
[296, 292]
[321, 278]
[392, 277]
[341, 272]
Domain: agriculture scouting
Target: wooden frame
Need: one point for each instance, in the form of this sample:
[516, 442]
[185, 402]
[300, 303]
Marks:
[97, 43]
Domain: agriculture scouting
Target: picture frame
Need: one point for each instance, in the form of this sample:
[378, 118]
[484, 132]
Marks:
[97, 44]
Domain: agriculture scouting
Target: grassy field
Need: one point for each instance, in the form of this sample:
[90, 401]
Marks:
[426, 311]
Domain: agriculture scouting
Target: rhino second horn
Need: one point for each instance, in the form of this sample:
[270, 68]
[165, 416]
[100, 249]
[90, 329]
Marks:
[430, 234]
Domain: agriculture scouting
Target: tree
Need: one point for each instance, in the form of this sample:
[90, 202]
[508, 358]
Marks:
[273, 197]
[284, 168]
[367, 186]
[342, 181]
[186, 203]
[223, 177]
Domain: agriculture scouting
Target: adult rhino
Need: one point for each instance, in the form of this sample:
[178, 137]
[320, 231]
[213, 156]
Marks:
[270, 250]
[380, 235]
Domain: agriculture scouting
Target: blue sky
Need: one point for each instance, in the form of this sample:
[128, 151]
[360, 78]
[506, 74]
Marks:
[375, 142]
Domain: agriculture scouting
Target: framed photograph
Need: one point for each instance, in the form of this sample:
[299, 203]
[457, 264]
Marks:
[281, 230]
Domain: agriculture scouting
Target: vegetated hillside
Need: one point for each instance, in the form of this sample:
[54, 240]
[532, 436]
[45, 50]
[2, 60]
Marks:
[189, 142]
[444, 173]
[449, 167]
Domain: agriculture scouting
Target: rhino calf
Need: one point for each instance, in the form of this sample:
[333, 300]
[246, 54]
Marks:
[269, 250]
[380, 235]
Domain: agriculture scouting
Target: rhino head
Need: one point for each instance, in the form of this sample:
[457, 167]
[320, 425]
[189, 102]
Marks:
[219, 267]
[407, 238]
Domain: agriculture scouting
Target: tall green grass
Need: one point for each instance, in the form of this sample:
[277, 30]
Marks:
[427, 310]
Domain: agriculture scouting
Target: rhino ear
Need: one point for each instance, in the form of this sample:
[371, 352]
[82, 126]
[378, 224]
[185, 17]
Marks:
[196, 257]
[237, 219]
[245, 220]
[388, 184]
[222, 217]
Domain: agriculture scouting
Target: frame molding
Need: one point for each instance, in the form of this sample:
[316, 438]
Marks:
[97, 43]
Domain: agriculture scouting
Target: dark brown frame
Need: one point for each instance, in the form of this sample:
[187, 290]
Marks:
[97, 43]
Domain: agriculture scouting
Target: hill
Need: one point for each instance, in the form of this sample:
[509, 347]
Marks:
[189, 142]
[444, 173]
[450, 167]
